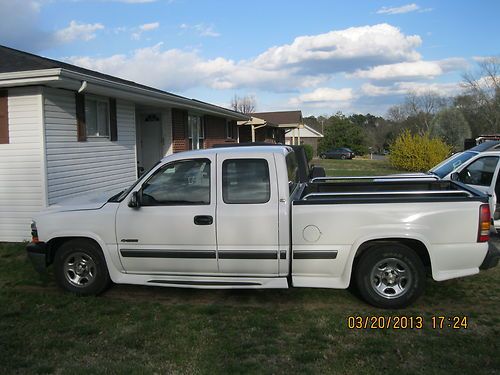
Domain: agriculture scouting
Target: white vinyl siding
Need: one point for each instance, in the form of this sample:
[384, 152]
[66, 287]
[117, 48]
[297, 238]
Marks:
[75, 168]
[21, 178]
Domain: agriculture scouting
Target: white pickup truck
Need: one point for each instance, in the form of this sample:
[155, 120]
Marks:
[244, 217]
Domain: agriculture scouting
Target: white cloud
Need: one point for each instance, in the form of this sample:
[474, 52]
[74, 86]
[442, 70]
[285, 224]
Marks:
[399, 10]
[201, 29]
[137, 34]
[343, 50]
[176, 69]
[78, 31]
[402, 88]
[135, 1]
[149, 26]
[325, 95]
[404, 70]
[411, 70]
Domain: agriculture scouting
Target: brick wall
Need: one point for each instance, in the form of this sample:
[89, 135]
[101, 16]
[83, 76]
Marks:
[215, 131]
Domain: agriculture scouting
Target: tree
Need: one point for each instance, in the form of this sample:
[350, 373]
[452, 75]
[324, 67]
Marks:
[340, 132]
[420, 108]
[483, 89]
[246, 104]
[451, 126]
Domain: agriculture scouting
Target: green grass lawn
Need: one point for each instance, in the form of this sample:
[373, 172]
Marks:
[149, 330]
[153, 330]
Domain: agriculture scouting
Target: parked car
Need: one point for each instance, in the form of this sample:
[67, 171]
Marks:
[338, 153]
[482, 172]
[246, 217]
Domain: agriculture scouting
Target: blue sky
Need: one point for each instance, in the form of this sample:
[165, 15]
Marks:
[317, 56]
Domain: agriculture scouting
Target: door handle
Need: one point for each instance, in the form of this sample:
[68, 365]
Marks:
[203, 220]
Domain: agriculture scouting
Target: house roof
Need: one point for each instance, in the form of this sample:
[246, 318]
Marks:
[15, 61]
[256, 121]
[305, 132]
[281, 118]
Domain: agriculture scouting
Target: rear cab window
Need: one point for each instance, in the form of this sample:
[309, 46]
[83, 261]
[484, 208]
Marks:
[245, 181]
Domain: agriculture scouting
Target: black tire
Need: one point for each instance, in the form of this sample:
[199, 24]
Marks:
[380, 279]
[80, 268]
[343, 157]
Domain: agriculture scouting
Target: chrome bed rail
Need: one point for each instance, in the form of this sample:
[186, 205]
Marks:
[389, 193]
[406, 178]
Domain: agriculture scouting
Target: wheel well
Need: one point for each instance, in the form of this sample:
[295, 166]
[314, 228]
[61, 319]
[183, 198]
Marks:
[415, 245]
[56, 243]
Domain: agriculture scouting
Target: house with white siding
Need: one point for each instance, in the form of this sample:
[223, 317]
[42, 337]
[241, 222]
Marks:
[67, 131]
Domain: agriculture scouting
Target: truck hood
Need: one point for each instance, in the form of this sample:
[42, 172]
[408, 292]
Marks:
[91, 201]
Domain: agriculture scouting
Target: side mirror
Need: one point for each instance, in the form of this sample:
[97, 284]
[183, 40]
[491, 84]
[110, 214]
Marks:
[454, 176]
[134, 201]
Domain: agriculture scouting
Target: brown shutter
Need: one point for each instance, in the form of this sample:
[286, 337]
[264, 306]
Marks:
[4, 118]
[179, 130]
[81, 128]
[113, 125]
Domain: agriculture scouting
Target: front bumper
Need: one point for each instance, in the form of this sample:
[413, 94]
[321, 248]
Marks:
[37, 253]
[491, 258]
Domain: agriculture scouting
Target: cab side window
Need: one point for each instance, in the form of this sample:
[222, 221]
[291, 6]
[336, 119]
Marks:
[479, 172]
[245, 181]
[185, 182]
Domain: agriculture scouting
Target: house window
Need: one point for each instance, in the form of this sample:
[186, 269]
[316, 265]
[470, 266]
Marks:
[229, 130]
[196, 131]
[97, 116]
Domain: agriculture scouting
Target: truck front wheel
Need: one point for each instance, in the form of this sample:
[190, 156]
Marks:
[80, 267]
[390, 276]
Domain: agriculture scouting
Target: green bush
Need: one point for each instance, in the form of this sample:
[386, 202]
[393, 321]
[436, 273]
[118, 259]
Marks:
[417, 153]
[309, 152]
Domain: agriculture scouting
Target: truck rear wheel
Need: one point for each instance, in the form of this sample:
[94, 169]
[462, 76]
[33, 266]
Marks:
[80, 267]
[390, 276]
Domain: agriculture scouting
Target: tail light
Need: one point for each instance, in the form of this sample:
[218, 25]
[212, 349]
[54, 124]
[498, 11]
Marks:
[483, 232]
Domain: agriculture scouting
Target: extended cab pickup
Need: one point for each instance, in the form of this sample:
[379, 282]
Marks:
[243, 217]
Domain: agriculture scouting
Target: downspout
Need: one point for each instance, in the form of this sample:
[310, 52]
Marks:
[82, 87]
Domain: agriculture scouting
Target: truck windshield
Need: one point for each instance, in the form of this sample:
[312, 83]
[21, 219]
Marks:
[443, 169]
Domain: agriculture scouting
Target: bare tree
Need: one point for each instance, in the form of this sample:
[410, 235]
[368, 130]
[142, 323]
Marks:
[422, 107]
[246, 104]
[483, 86]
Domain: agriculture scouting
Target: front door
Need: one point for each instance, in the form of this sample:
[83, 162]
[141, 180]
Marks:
[173, 231]
[151, 141]
[247, 216]
[482, 175]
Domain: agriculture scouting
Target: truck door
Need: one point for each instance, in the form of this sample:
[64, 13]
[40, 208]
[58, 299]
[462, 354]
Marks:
[247, 215]
[482, 175]
[173, 230]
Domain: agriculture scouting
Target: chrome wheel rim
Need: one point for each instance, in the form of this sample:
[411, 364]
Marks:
[391, 278]
[79, 269]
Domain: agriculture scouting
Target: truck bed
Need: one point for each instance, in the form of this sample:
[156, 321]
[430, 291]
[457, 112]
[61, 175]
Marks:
[370, 190]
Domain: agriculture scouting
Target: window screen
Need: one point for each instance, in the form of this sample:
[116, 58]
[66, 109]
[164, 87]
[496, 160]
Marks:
[245, 181]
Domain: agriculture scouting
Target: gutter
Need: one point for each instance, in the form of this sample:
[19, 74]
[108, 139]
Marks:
[164, 97]
[46, 76]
